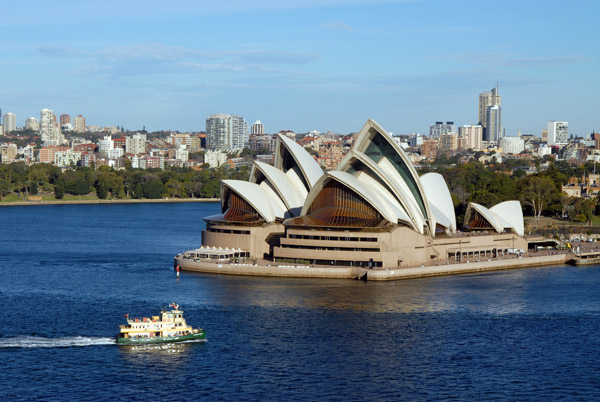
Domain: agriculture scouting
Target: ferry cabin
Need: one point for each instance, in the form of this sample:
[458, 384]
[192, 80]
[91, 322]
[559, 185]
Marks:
[170, 323]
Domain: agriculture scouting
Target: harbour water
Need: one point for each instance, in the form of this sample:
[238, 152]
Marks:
[70, 272]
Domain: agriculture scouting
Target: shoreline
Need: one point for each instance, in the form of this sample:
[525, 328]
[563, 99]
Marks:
[305, 271]
[123, 201]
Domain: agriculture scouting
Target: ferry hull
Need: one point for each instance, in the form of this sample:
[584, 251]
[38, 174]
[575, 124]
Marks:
[161, 339]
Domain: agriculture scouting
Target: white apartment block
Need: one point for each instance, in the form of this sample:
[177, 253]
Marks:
[136, 144]
[215, 158]
[473, 135]
[226, 132]
[558, 132]
[66, 158]
[181, 153]
[105, 145]
[31, 123]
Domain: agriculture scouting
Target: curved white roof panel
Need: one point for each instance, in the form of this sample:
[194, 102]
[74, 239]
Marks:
[399, 193]
[309, 167]
[506, 215]
[378, 145]
[255, 196]
[512, 215]
[487, 215]
[438, 196]
[286, 189]
[367, 193]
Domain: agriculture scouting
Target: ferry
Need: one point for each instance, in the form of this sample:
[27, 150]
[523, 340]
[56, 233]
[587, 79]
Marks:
[170, 326]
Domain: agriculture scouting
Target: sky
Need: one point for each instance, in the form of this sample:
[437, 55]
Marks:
[326, 65]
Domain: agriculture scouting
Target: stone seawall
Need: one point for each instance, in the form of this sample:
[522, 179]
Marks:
[466, 268]
[290, 271]
[300, 271]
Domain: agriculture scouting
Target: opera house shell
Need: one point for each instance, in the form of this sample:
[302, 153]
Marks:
[373, 210]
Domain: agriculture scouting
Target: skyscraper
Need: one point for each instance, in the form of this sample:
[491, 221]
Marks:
[494, 123]
[226, 132]
[558, 132]
[258, 128]
[9, 123]
[487, 100]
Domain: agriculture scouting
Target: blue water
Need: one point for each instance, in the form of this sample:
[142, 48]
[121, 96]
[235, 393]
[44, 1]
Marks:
[70, 273]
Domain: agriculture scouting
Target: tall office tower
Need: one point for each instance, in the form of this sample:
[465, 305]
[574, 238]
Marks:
[0, 116]
[226, 132]
[65, 119]
[493, 118]
[439, 128]
[9, 123]
[486, 100]
[558, 132]
[473, 135]
[258, 128]
[31, 123]
[79, 124]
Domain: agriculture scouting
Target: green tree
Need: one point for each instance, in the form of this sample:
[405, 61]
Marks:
[154, 189]
[537, 192]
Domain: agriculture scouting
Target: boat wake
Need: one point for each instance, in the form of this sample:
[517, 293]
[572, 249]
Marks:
[41, 342]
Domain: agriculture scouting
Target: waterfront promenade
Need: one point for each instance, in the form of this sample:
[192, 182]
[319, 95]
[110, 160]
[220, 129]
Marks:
[268, 268]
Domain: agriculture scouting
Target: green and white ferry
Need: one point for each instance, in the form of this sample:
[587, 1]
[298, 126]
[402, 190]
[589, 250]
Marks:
[170, 326]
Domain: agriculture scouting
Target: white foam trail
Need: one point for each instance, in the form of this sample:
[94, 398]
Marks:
[40, 342]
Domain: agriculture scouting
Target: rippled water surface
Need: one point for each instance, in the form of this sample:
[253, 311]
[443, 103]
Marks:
[70, 273]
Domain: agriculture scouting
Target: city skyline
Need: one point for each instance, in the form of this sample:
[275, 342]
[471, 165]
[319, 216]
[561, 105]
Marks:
[302, 65]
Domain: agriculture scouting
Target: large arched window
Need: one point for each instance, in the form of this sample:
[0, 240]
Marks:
[239, 210]
[339, 206]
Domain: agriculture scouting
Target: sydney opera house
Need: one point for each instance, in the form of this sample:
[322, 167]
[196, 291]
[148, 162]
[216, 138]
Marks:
[372, 211]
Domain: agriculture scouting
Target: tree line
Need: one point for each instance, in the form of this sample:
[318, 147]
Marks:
[108, 183]
[488, 185]
[540, 193]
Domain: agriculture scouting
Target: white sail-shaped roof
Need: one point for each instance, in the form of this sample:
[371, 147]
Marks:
[511, 214]
[503, 216]
[291, 193]
[440, 200]
[308, 166]
[260, 199]
[392, 182]
[369, 194]
[379, 146]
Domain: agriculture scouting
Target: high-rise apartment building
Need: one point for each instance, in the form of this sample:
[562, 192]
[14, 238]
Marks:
[473, 134]
[226, 132]
[487, 100]
[79, 124]
[50, 129]
[439, 128]
[258, 128]
[46, 124]
[493, 118]
[9, 123]
[558, 132]
[65, 119]
[31, 123]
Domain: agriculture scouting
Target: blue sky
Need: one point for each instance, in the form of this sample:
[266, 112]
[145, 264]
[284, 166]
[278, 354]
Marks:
[302, 65]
